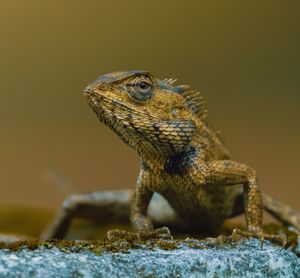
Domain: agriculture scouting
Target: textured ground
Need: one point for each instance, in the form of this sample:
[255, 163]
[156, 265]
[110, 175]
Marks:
[189, 259]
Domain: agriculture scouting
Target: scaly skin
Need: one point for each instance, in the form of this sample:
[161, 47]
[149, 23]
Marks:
[182, 157]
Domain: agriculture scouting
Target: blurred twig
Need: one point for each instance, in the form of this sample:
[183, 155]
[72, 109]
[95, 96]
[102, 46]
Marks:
[53, 175]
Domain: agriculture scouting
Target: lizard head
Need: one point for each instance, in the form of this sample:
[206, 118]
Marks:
[151, 115]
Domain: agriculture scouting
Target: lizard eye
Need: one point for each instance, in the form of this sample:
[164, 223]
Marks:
[140, 88]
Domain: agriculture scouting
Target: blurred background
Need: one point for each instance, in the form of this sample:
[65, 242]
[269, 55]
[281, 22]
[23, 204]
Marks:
[242, 55]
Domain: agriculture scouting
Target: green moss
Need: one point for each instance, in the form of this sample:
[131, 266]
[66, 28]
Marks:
[99, 246]
[167, 244]
[96, 246]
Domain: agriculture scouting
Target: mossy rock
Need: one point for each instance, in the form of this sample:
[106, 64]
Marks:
[152, 258]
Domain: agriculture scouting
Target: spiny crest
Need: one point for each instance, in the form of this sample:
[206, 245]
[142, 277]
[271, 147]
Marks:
[170, 81]
[193, 98]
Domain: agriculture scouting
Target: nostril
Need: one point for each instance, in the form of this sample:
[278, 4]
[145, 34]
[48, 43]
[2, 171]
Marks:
[87, 91]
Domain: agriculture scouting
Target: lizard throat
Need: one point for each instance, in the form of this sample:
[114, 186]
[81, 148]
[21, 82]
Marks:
[126, 123]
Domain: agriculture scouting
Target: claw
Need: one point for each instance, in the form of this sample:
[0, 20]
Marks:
[261, 239]
[162, 232]
[117, 234]
[281, 238]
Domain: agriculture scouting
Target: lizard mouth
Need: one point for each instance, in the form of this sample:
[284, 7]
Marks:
[88, 93]
[94, 99]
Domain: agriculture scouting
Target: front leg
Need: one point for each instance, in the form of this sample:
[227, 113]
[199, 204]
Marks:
[141, 223]
[141, 199]
[230, 173]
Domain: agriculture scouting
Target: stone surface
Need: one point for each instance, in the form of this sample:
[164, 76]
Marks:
[244, 259]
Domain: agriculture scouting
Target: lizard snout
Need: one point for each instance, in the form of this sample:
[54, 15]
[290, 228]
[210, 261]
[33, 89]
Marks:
[87, 91]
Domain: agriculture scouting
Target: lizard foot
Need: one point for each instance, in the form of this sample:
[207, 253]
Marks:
[280, 238]
[160, 233]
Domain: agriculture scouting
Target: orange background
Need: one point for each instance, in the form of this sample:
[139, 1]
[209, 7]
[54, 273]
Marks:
[242, 55]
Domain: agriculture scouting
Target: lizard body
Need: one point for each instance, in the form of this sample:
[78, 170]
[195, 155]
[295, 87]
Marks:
[182, 157]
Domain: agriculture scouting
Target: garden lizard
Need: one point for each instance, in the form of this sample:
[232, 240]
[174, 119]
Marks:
[182, 158]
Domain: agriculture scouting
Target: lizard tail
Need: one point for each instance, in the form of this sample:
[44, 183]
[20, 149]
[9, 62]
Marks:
[282, 212]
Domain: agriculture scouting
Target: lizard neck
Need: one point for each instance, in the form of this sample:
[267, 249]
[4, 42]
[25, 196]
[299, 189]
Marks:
[209, 143]
[151, 157]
